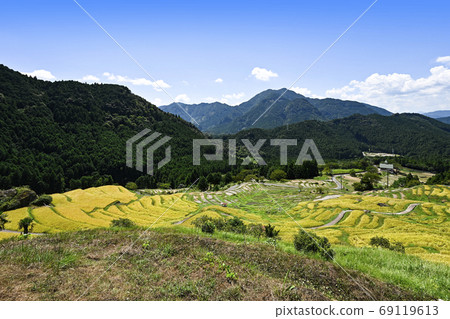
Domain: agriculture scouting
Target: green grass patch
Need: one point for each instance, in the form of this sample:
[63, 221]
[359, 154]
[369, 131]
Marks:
[400, 269]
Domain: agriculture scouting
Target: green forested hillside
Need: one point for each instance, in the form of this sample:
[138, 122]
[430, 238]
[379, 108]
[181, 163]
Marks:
[57, 135]
[410, 135]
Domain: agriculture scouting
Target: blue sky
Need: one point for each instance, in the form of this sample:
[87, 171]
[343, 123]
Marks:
[397, 56]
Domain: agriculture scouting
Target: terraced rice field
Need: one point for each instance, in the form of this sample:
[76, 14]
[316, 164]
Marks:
[424, 231]
[97, 207]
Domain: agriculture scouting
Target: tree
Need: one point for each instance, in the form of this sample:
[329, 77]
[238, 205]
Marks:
[228, 178]
[367, 182]
[270, 231]
[3, 220]
[26, 224]
[327, 170]
[203, 184]
[131, 186]
[311, 243]
[278, 175]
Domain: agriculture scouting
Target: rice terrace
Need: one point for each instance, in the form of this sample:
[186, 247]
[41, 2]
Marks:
[417, 217]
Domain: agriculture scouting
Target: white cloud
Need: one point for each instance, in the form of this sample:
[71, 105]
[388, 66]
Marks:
[302, 91]
[90, 78]
[443, 59]
[157, 85]
[218, 80]
[263, 74]
[157, 101]
[230, 99]
[209, 99]
[306, 92]
[183, 98]
[401, 92]
[42, 74]
[234, 96]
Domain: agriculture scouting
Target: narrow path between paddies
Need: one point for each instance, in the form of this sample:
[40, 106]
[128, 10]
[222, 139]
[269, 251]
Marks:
[18, 232]
[342, 214]
[406, 211]
[327, 197]
[338, 184]
[334, 221]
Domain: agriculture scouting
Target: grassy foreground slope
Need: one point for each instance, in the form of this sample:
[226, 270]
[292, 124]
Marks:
[166, 265]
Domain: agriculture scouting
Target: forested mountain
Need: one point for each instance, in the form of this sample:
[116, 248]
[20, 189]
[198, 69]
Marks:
[411, 135]
[207, 115]
[438, 114]
[288, 109]
[444, 119]
[65, 134]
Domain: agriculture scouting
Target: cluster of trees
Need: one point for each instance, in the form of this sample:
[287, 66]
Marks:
[235, 225]
[368, 180]
[26, 224]
[407, 181]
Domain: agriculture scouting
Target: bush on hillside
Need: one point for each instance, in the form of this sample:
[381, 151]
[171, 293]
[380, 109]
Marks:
[278, 175]
[311, 243]
[123, 223]
[270, 231]
[43, 200]
[131, 186]
[385, 243]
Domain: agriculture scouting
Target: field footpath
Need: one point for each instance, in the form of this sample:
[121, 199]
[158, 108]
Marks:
[341, 215]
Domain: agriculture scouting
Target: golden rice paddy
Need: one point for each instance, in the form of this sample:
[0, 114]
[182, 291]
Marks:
[424, 231]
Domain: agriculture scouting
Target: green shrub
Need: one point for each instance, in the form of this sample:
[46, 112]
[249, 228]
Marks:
[311, 243]
[43, 200]
[398, 247]
[384, 243]
[131, 186]
[278, 175]
[236, 225]
[255, 230]
[3, 220]
[270, 231]
[380, 242]
[123, 223]
[208, 227]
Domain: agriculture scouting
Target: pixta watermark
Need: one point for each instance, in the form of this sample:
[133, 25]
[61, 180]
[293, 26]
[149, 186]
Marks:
[146, 142]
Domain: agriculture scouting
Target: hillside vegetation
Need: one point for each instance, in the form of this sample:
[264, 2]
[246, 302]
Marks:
[65, 134]
[164, 265]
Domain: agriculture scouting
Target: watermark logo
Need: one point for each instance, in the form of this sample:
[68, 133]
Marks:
[254, 149]
[142, 141]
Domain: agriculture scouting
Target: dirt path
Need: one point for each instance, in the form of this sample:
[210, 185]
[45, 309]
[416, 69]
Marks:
[342, 214]
[338, 183]
[334, 221]
[327, 197]
[406, 211]
[18, 232]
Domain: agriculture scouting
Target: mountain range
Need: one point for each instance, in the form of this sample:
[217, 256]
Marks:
[268, 109]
